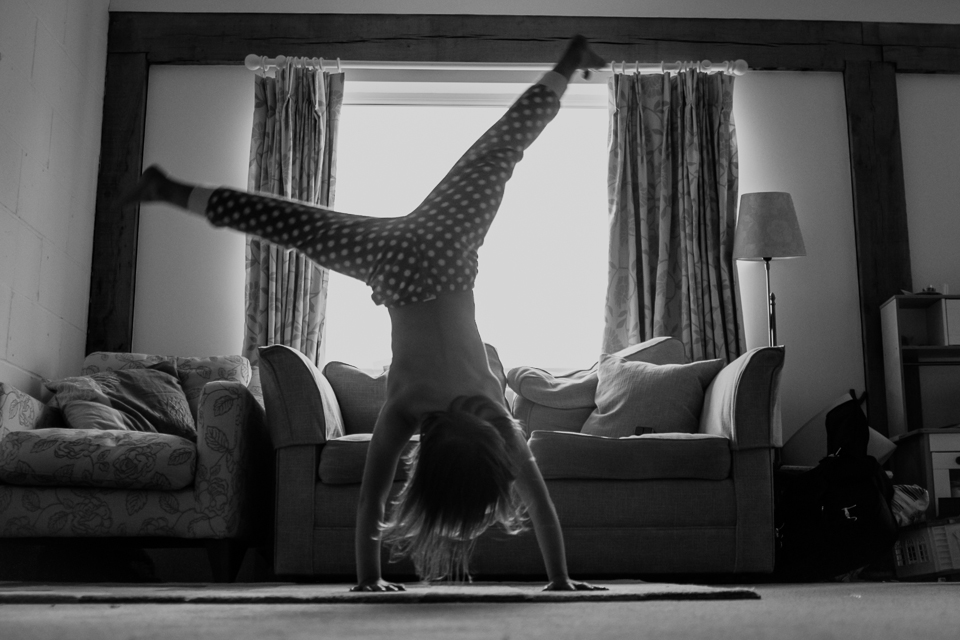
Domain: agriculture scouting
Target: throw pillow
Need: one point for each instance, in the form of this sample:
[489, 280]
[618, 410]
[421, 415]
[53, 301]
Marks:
[634, 398]
[577, 389]
[359, 395]
[18, 410]
[84, 414]
[150, 400]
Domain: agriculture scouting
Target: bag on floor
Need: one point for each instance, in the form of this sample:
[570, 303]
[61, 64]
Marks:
[836, 517]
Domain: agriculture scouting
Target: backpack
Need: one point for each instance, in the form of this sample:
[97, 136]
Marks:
[836, 517]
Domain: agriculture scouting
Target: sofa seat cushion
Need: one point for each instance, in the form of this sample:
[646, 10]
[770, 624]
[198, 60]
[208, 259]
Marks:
[114, 459]
[342, 459]
[567, 455]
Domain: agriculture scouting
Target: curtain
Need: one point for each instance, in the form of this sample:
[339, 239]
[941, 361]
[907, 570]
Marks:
[672, 186]
[292, 154]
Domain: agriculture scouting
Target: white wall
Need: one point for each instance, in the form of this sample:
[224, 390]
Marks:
[930, 140]
[190, 276]
[792, 136]
[52, 66]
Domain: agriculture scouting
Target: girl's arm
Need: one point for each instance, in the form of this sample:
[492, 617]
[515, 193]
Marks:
[546, 525]
[390, 435]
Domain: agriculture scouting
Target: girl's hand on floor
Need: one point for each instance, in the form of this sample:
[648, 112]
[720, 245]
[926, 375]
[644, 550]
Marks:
[379, 585]
[572, 585]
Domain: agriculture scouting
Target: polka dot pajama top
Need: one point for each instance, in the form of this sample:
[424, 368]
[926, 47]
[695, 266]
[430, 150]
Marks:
[413, 258]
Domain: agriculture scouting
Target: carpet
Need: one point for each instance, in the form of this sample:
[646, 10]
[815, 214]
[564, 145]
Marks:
[286, 593]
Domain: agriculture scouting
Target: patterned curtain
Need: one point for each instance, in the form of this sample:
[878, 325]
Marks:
[672, 187]
[292, 154]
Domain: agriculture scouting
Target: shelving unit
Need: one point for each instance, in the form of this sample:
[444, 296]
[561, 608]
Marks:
[922, 371]
[921, 368]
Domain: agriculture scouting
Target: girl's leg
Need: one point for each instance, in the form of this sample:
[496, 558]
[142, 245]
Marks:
[342, 242]
[473, 188]
[329, 238]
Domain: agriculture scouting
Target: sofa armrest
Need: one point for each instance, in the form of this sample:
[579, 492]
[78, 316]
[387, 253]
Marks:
[743, 401]
[743, 404]
[232, 462]
[301, 405]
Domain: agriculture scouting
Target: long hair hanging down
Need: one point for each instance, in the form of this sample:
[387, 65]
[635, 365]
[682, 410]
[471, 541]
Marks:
[460, 482]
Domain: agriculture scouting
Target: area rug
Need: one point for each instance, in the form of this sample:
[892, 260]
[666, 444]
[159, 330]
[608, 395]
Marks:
[286, 593]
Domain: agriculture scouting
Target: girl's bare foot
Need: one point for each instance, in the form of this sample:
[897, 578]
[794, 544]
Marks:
[579, 55]
[148, 187]
[589, 59]
[155, 185]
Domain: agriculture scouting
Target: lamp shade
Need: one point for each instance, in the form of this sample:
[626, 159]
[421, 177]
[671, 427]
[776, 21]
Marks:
[767, 227]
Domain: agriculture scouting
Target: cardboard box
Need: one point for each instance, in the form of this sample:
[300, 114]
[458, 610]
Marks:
[928, 550]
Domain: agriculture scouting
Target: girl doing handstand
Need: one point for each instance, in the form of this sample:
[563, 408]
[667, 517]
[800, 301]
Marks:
[472, 467]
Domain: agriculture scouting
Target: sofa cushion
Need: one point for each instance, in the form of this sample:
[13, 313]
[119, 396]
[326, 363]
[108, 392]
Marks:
[359, 395]
[193, 373]
[144, 399]
[97, 458]
[577, 389]
[85, 414]
[100, 361]
[342, 459]
[538, 417]
[566, 455]
[634, 398]
[567, 390]
[18, 410]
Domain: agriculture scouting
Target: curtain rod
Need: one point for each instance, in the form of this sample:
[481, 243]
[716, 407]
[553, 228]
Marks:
[254, 62]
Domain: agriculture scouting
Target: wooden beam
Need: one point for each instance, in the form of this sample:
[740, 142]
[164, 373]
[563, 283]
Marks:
[113, 272]
[880, 211]
[917, 48]
[199, 38]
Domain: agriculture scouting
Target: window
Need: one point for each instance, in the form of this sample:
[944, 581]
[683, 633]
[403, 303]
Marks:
[543, 267]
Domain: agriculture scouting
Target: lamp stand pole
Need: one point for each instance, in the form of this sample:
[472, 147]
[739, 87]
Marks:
[771, 307]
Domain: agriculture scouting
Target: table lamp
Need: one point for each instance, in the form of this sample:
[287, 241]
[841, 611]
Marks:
[767, 228]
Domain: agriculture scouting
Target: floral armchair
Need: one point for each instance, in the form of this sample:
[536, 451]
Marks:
[58, 481]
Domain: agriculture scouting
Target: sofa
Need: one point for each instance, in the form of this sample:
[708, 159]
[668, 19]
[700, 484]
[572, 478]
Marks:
[695, 498]
[139, 449]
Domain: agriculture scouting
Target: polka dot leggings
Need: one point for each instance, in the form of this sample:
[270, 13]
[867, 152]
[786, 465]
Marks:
[413, 258]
